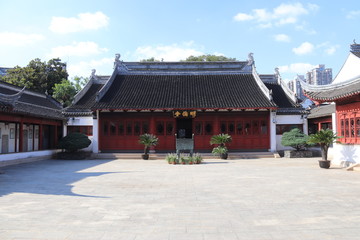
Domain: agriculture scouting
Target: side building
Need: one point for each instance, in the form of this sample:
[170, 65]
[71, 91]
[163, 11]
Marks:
[193, 100]
[344, 91]
[29, 121]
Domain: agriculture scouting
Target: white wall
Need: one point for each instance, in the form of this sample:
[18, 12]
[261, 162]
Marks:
[348, 153]
[289, 119]
[5, 130]
[82, 121]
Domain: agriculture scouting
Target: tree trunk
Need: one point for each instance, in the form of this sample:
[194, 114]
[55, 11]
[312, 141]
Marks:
[146, 150]
[324, 152]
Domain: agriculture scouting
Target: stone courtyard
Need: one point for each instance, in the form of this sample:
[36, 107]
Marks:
[219, 199]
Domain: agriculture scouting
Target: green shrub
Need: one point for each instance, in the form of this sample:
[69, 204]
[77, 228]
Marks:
[73, 142]
[324, 138]
[171, 158]
[295, 139]
[148, 140]
[217, 151]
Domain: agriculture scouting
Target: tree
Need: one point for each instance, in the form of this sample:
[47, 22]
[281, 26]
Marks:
[152, 59]
[295, 139]
[324, 138]
[148, 140]
[37, 75]
[208, 58]
[65, 91]
[74, 141]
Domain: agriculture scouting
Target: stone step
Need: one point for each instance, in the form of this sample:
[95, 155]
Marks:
[161, 156]
[354, 167]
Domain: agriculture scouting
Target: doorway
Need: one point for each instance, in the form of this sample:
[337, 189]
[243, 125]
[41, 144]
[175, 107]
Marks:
[184, 128]
[5, 144]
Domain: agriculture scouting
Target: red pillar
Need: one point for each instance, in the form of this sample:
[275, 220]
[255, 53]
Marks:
[152, 125]
[216, 125]
[319, 126]
[21, 136]
[33, 137]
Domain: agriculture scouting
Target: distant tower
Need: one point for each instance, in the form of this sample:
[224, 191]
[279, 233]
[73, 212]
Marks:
[319, 75]
[297, 86]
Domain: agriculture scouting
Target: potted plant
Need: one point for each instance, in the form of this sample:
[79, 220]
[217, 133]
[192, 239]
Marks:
[171, 158]
[221, 140]
[220, 151]
[324, 138]
[297, 140]
[147, 140]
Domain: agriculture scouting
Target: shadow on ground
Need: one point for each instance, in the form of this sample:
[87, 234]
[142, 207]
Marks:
[54, 177]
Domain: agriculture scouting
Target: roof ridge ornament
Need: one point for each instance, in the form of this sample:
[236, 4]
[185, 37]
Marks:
[277, 74]
[120, 64]
[251, 59]
[11, 99]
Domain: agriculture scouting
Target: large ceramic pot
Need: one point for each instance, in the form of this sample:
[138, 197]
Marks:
[223, 155]
[324, 164]
[145, 156]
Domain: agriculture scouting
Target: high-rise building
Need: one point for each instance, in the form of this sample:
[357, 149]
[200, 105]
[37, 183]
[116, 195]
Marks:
[319, 75]
[295, 86]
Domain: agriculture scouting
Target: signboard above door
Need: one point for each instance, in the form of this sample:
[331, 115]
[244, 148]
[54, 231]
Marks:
[184, 114]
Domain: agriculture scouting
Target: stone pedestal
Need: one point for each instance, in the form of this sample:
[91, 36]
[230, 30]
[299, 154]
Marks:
[297, 154]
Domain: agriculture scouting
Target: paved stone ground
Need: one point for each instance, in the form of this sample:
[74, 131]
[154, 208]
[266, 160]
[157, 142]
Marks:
[135, 199]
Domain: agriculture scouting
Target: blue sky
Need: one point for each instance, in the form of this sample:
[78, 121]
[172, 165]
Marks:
[291, 35]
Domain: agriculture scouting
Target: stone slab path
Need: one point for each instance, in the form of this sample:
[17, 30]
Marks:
[137, 200]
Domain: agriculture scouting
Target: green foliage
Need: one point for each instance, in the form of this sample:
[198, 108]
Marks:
[324, 138]
[148, 140]
[73, 142]
[65, 91]
[171, 158]
[79, 82]
[219, 150]
[295, 139]
[37, 75]
[152, 59]
[208, 58]
[221, 139]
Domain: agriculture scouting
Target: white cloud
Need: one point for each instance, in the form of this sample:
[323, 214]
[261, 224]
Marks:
[330, 49]
[83, 69]
[282, 38]
[80, 49]
[304, 48]
[243, 17]
[296, 68]
[353, 14]
[281, 15]
[83, 22]
[173, 52]
[19, 39]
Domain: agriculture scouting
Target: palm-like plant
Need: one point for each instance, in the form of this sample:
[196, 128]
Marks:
[324, 138]
[221, 139]
[148, 140]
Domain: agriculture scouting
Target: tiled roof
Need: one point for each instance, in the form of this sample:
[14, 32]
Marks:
[279, 96]
[322, 111]
[32, 103]
[333, 92]
[3, 71]
[151, 92]
[356, 54]
[86, 102]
